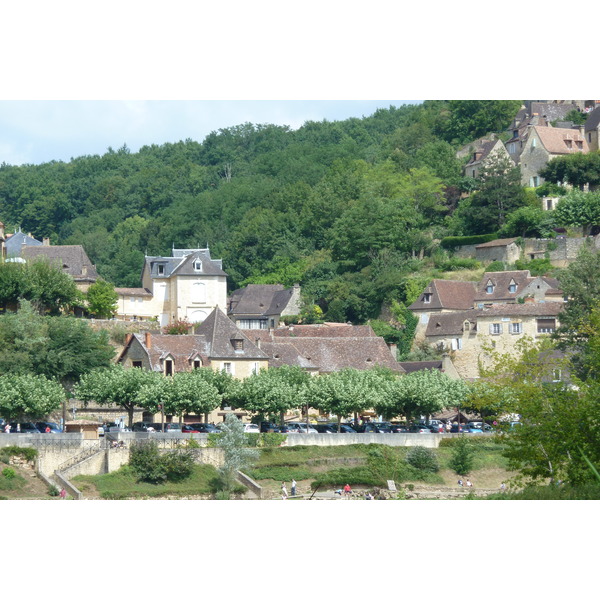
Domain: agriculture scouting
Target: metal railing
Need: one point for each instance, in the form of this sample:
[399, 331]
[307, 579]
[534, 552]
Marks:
[86, 453]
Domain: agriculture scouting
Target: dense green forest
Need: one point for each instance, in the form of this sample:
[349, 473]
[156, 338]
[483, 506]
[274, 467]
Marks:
[349, 209]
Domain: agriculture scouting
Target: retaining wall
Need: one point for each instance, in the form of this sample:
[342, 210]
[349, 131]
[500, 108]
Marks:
[429, 440]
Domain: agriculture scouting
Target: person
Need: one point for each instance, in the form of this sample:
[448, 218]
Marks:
[368, 496]
[347, 490]
[63, 493]
[284, 493]
[460, 483]
[502, 486]
[7, 428]
[469, 484]
[293, 487]
[448, 427]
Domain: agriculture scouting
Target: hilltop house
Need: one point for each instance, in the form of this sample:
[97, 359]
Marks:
[592, 130]
[483, 155]
[187, 285]
[261, 306]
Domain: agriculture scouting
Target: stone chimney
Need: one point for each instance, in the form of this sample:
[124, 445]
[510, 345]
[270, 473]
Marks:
[128, 338]
[46, 241]
[84, 270]
[148, 339]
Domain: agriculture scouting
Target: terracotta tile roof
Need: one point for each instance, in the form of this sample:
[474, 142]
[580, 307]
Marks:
[501, 281]
[556, 140]
[446, 294]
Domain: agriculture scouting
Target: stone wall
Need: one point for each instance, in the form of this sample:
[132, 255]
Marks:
[431, 440]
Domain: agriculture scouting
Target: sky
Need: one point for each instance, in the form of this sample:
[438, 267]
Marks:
[36, 131]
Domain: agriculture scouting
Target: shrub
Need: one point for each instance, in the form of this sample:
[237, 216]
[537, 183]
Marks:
[9, 473]
[455, 264]
[26, 453]
[53, 491]
[178, 464]
[494, 266]
[423, 459]
[272, 439]
[461, 461]
[148, 464]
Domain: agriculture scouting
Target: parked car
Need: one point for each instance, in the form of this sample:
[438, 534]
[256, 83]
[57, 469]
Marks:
[301, 428]
[457, 428]
[251, 428]
[143, 426]
[418, 428]
[480, 425]
[172, 427]
[43, 425]
[398, 428]
[199, 428]
[437, 427]
[471, 429]
[333, 428]
[375, 427]
[267, 426]
[24, 428]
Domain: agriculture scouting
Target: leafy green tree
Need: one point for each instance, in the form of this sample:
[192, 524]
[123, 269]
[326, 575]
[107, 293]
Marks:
[575, 169]
[348, 392]
[499, 194]
[462, 459]
[115, 386]
[102, 299]
[529, 221]
[29, 396]
[63, 348]
[422, 393]
[273, 391]
[580, 209]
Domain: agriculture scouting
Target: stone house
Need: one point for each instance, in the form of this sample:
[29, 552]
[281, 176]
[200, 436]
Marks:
[72, 260]
[17, 241]
[440, 296]
[187, 285]
[505, 250]
[592, 130]
[261, 306]
[482, 156]
[507, 287]
[519, 132]
[542, 145]
[469, 334]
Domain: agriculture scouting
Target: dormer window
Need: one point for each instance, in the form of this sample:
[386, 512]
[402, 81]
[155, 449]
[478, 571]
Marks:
[238, 345]
[198, 265]
[512, 288]
[489, 289]
[160, 269]
[427, 298]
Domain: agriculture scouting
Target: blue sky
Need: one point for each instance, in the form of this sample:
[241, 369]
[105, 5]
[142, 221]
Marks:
[36, 131]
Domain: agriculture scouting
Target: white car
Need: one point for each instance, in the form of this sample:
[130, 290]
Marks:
[301, 428]
[251, 428]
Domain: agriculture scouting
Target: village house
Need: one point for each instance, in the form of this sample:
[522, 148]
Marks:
[592, 130]
[504, 250]
[189, 284]
[483, 155]
[545, 143]
[469, 335]
[504, 287]
[261, 306]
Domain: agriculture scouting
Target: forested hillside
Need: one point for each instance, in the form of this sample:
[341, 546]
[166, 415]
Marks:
[348, 209]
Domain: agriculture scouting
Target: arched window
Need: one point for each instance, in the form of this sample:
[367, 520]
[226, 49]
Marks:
[198, 292]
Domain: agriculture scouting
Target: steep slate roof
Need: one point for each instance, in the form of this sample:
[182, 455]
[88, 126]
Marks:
[501, 280]
[484, 149]
[552, 111]
[446, 294]
[593, 120]
[413, 366]
[451, 323]
[72, 259]
[14, 243]
[555, 140]
[220, 331]
[256, 299]
[181, 263]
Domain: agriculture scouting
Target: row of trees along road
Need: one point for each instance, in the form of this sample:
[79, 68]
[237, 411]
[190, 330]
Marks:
[272, 392]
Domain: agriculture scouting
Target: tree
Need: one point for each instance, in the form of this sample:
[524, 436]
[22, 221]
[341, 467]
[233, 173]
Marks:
[181, 394]
[347, 392]
[273, 391]
[58, 347]
[102, 299]
[422, 393]
[115, 386]
[529, 221]
[499, 193]
[575, 169]
[232, 440]
[29, 396]
[579, 209]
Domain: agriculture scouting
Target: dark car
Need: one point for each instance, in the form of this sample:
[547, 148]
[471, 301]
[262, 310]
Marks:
[143, 426]
[333, 428]
[457, 428]
[199, 428]
[374, 427]
[24, 428]
[44, 425]
[169, 427]
[397, 428]
[267, 427]
[419, 428]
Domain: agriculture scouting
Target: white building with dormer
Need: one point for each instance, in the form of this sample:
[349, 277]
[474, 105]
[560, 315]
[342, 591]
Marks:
[187, 285]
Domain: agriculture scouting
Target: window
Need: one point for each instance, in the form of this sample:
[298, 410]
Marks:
[589, 137]
[549, 204]
[136, 364]
[255, 368]
[198, 265]
[456, 344]
[556, 375]
[427, 298]
[546, 325]
[512, 288]
[238, 345]
[160, 269]
[197, 363]
[228, 368]
[516, 328]
[168, 367]
[495, 328]
[489, 288]
[533, 143]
